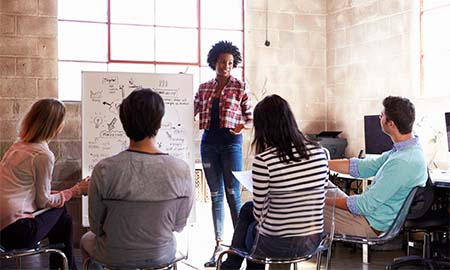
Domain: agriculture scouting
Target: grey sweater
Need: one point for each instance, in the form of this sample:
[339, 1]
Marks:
[136, 201]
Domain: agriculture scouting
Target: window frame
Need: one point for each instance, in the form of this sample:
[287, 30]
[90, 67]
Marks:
[153, 64]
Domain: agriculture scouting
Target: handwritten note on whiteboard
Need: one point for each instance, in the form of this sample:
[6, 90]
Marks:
[102, 133]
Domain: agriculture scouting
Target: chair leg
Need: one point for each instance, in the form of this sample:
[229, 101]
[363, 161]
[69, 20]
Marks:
[295, 266]
[318, 260]
[174, 266]
[365, 253]
[86, 263]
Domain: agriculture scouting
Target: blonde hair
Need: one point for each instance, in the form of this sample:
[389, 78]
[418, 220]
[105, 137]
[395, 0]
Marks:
[42, 121]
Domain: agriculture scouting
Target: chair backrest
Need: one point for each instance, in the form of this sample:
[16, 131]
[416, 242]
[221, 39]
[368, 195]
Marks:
[422, 201]
[400, 218]
[302, 211]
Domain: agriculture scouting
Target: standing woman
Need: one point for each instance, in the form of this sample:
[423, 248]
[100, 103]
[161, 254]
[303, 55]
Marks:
[224, 110]
[25, 183]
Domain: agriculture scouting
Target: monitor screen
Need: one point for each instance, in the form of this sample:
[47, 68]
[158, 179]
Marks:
[447, 123]
[375, 139]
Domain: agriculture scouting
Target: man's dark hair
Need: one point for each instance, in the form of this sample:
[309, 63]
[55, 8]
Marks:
[223, 47]
[275, 126]
[401, 111]
[141, 113]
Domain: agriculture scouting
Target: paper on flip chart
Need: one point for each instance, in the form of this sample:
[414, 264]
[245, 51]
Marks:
[245, 178]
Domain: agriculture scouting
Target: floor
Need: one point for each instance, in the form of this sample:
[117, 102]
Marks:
[200, 241]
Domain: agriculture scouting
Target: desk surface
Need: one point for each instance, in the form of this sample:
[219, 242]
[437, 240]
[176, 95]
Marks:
[440, 178]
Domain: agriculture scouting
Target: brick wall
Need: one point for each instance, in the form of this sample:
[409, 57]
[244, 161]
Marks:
[294, 65]
[373, 51]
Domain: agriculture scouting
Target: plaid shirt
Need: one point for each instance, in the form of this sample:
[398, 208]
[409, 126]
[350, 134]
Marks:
[234, 104]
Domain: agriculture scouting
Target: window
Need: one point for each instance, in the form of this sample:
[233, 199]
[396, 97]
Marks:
[164, 36]
[435, 47]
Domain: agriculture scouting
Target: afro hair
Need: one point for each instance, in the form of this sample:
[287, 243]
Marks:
[223, 47]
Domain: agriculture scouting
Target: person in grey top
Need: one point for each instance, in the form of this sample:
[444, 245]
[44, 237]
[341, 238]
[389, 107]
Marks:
[139, 197]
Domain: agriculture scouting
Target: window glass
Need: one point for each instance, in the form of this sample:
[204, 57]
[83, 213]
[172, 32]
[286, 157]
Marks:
[184, 15]
[221, 14]
[82, 41]
[176, 45]
[143, 36]
[82, 10]
[436, 49]
[133, 11]
[133, 43]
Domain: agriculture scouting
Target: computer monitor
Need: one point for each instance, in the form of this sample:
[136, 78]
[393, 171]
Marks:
[447, 123]
[376, 140]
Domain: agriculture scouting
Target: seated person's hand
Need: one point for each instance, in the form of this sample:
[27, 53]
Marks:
[81, 188]
[84, 186]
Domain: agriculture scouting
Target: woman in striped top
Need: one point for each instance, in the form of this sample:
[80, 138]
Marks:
[293, 171]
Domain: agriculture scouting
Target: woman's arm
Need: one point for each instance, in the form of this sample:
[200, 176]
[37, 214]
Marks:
[42, 169]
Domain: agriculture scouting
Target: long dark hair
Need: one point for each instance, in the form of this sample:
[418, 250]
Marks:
[275, 126]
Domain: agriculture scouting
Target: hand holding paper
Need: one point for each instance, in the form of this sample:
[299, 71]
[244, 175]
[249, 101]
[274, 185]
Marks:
[245, 178]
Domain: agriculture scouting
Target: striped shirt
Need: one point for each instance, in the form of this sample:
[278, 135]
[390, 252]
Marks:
[297, 195]
[234, 104]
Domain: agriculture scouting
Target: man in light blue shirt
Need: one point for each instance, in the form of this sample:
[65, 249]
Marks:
[396, 173]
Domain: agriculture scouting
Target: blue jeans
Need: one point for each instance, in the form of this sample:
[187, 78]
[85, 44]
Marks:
[218, 163]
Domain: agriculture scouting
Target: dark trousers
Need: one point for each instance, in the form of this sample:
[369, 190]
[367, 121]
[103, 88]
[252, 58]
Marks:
[267, 246]
[240, 237]
[55, 224]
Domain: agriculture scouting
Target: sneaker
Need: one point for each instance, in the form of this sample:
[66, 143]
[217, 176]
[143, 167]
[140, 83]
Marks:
[212, 261]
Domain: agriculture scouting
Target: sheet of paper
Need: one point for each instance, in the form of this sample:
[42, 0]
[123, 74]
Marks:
[245, 178]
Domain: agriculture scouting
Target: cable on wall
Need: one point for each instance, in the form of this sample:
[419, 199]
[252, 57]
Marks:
[267, 42]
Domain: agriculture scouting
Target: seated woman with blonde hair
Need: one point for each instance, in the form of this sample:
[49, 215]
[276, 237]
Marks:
[25, 186]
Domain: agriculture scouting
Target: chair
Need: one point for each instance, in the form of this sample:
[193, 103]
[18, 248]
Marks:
[19, 253]
[384, 237]
[255, 256]
[171, 265]
[430, 216]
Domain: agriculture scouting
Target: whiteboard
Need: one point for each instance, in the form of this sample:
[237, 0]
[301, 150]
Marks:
[102, 133]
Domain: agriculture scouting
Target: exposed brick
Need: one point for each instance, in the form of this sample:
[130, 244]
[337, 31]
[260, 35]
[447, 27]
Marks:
[6, 24]
[33, 67]
[4, 146]
[47, 47]
[9, 129]
[73, 109]
[67, 171]
[20, 107]
[55, 147]
[7, 66]
[71, 150]
[71, 130]
[18, 87]
[19, 46]
[37, 26]
[47, 88]
[19, 6]
[48, 7]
